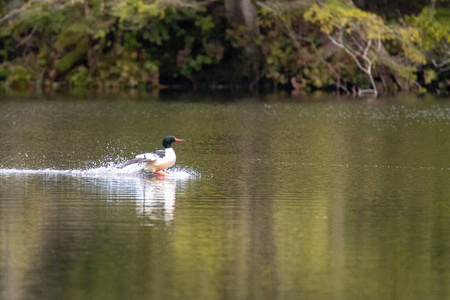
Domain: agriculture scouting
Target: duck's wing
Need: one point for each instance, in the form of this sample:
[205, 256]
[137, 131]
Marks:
[159, 153]
[145, 158]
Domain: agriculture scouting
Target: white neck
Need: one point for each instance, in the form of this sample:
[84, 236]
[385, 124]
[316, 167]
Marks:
[170, 152]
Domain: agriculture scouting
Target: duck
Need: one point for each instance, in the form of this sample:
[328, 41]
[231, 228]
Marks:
[159, 160]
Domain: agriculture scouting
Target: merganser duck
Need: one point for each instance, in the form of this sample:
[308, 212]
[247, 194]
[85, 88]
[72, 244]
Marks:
[159, 160]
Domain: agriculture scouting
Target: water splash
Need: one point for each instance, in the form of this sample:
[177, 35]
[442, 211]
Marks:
[109, 171]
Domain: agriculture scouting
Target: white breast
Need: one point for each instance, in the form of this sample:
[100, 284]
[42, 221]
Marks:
[162, 163]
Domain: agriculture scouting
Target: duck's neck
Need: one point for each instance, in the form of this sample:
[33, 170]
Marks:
[170, 152]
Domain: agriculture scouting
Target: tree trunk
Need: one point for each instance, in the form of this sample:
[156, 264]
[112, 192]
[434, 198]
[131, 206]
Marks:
[242, 12]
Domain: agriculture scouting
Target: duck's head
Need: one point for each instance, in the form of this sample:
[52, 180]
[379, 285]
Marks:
[168, 140]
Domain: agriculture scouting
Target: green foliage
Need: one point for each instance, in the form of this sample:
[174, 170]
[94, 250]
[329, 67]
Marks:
[282, 61]
[80, 77]
[334, 16]
[364, 36]
[429, 76]
[410, 39]
[70, 59]
[434, 26]
[128, 73]
[130, 43]
[137, 12]
[195, 64]
[407, 72]
[205, 23]
[18, 77]
[4, 72]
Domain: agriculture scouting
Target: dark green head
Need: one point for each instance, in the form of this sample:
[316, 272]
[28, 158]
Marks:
[168, 140]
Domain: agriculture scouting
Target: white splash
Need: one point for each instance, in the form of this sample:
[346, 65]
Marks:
[132, 171]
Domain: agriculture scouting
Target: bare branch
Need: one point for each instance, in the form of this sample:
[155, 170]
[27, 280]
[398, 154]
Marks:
[441, 64]
[444, 70]
[367, 70]
[417, 84]
[369, 43]
[278, 8]
[10, 15]
[349, 53]
[367, 91]
[259, 3]
[28, 37]
[24, 7]
[191, 4]
[379, 43]
[356, 42]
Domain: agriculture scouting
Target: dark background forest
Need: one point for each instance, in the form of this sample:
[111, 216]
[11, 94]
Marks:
[350, 47]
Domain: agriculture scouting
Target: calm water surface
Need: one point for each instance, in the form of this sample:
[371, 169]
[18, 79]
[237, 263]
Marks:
[271, 198]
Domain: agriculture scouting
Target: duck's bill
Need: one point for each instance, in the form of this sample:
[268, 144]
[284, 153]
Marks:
[178, 140]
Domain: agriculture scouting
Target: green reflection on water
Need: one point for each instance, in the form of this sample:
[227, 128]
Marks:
[314, 199]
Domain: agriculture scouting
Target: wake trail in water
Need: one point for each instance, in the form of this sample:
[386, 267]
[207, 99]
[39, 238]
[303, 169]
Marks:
[112, 170]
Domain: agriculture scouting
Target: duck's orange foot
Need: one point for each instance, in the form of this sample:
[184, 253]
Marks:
[159, 174]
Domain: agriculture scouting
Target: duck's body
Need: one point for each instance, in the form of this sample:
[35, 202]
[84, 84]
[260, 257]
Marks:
[159, 160]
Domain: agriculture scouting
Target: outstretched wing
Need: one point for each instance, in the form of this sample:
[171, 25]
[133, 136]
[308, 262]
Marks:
[143, 158]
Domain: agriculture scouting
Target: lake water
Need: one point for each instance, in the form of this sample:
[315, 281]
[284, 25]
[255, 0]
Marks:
[272, 197]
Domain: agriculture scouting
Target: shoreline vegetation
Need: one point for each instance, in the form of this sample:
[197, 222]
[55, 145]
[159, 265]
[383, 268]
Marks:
[348, 47]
